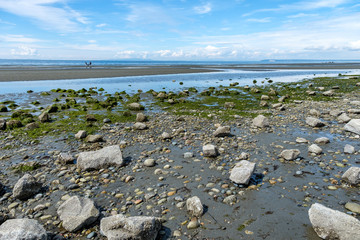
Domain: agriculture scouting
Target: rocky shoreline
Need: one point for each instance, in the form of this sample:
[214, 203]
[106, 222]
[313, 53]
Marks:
[176, 171]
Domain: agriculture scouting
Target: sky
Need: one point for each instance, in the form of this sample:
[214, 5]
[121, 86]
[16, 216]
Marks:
[222, 30]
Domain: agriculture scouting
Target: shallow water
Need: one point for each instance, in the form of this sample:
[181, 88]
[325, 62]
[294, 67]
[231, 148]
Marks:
[169, 82]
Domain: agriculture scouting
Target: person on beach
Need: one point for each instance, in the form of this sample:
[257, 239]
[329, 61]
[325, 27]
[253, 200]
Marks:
[88, 65]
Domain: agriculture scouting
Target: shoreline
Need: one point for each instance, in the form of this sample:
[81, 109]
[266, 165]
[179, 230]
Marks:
[34, 73]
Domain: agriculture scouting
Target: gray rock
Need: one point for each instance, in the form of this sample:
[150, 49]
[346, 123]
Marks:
[314, 112]
[94, 138]
[194, 206]
[322, 140]
[105, 157]
[77, 213]
[290, 154]
[22, 229]
[313, 148]
[343, 118]
[32, 126]
[260, 121]
[65, 158]
[301, 140]
[81, 134]
[352, 175]
[140, 117]
[353, 126]
[353, 207]
[149, 162]
[44, 117]
[336, 113]
[140, 126]
[130, 228]
[2, 124]
[26, 187]
[135, 106]
[210, 150]
[230, 199]
[244, 156]
[165, 136]
[188, 155]
[314, 122]
[329, 93]
[242, 172]
[354, 111]
[222, 131]
[332, 224]
[349, 149]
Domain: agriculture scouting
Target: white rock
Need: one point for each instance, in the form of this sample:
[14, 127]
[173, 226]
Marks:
[81, 134]
[210, 150]
[290, 154]
[99, 159]
[322, 140]
[140, 126]
[194, 206]
[313, 148]
[314, 122]
[149, 162]
[26, 187]
[349, 149]
[260, 121]
[222, 131]
[333, 224]
[353, 126]
[343, 118]
[352, 175]
[314, 112]
[22, 229]
[301, 140]
[242, 172]
[165, 135]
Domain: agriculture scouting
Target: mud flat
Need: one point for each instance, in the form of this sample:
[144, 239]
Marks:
[162, 136]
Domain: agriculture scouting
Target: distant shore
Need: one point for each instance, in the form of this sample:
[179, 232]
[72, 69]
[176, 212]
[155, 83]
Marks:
[33, 73]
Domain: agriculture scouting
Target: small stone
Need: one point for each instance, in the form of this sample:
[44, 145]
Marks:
[290, 154]
[194, 206]
[260, 121]
[94, 138]
[81, 134]
[354, 207]
[149, 162]
[222, 131]
[194, 223]
[188, 155]
[242, 172]
[349, 149]
[210, 150]
[315, 149]
[140, 117]
[322, 140]
[139, 126]
[165, 136]
[314, 122]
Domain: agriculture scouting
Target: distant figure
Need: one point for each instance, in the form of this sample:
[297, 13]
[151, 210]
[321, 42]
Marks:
[88, 65]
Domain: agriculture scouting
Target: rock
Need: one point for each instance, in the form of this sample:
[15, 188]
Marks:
[140, 126]
[229, 105]
[90, 118]
[107, 120]
[314, 112]
[343, 118]
[328, 93]
[140, 117]
[14, 124]
[32, 126]
[165, 136]
[352, 175]
[135, 107]
[2, 124]
[353, 207]
[22, 229]
[260, 122]
[65, 158]
[130, 228]
[335, 113]
[188, 155]
[210, 150]
[149, 162]
[290, 154]
[354, 111]
[332, 224]
[230, 200]
[102, 158]
[349, 149]
[222, 131]
[313, 148]
[44, 117]
[322, 140]
[194, 206]
[26, 187]
[81, 134]
[265, 97]
[314, 122]
[3, 108]
[244, 156]
[353, 126]
[193, 224]
[94, 138]
[301, 140]
[77, 213]
[242, 172]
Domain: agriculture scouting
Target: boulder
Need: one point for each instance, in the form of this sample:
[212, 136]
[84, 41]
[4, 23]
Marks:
[77, 213]
[290, 154]
[22, 229]
[130, 228]
[314, 122]
[44, 117]
[101, 158]
[26, 187]
[140, 126]
[210, 150]
[352, 175]
[313, 148]
[242, 172]
[349, 149]
[322, 140]
[2, 124]
[353, 126]
[194, 206]
[94, 138]
[333, 224]
[260, 121]
[222, 131]
[135, 106]
[81, 134]
[140, 117]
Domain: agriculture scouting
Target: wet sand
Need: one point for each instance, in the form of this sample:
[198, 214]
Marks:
[31, 73]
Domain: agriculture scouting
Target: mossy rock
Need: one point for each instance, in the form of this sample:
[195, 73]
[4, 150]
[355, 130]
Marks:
[52, 109]
[12, 124]
[3, 108]
[21, 114]
[26, 167]
[135, 107]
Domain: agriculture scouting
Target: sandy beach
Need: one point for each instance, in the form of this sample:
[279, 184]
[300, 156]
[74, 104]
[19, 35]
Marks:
[31, 73]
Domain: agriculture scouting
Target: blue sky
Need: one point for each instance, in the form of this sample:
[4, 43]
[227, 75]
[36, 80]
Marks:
[180, 29]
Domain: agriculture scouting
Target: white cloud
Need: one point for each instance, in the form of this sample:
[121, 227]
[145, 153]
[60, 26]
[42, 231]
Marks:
[203, 9]
[24, 51]
[49, 17]
[101, 25]
[259, 20]
[148, 14]
[303, 15]
[355, 46]
[18, 39]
